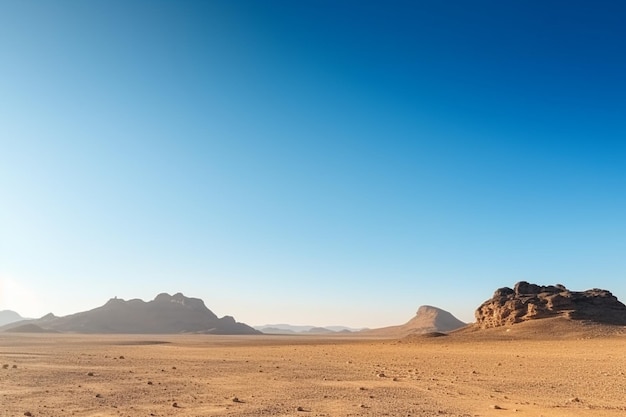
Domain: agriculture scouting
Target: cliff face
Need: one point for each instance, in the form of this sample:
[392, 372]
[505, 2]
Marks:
[530, 301]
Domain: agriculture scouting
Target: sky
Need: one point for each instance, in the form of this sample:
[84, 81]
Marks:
[309, 162]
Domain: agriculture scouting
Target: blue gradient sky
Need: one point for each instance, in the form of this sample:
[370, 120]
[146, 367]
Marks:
[315, 162]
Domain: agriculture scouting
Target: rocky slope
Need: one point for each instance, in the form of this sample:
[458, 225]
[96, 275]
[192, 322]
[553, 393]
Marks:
[530, 301]
[166, 314]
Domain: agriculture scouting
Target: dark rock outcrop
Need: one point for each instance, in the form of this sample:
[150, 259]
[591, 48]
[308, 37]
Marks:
[530, 301]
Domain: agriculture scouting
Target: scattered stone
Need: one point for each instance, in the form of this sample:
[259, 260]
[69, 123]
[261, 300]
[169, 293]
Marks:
[14, 367]
[300, 408]
[5, 366]
[574, 400]
[175, 405]
[173, 367]
[236, 400]
[28, 414]
[395, 379]
[98, 395]
[497, 407]
[122, 357]
[90, 374]
[149, 382]
[380, 375]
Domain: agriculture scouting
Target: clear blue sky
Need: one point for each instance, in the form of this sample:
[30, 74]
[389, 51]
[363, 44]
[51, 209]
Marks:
[310, 162]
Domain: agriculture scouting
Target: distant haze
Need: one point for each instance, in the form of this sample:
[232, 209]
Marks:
[8, 316]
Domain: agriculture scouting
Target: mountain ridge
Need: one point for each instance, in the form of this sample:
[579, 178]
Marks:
[283, 328]
[165, 314]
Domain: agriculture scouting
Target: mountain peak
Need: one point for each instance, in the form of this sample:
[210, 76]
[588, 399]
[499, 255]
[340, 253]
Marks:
[430, 318]
[179, 298]
[427, 319]
[430, 310]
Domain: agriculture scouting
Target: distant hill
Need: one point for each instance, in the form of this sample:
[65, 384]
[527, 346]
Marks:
[166, 314]
[320, 330]
[427, 319]
[9, 316]
[274, 330]
[294, 329]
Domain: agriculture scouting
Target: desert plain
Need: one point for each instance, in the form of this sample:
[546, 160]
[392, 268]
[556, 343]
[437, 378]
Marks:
[517, 371]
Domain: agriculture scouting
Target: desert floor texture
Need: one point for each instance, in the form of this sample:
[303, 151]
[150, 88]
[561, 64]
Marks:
[202, 375]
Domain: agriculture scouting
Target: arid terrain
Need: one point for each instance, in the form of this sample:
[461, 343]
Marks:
[519, 371]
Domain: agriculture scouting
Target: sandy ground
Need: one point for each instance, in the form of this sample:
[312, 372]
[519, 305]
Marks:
[116, 375]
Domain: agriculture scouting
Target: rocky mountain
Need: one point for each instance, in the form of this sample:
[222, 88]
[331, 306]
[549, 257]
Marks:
[530, 301]
[427, 319]
[166, 314]
[9, 316]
